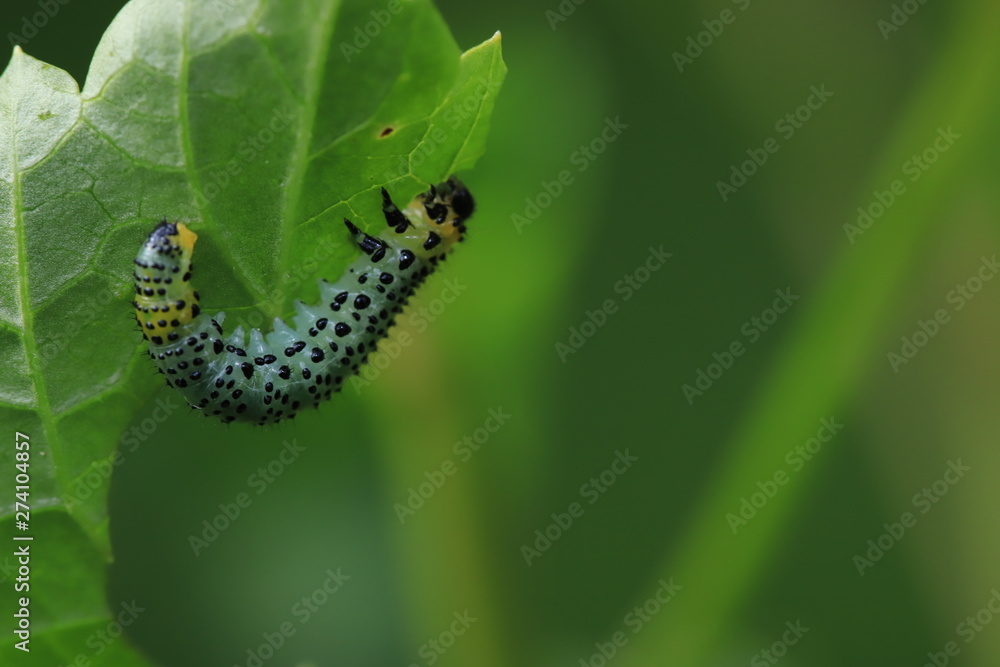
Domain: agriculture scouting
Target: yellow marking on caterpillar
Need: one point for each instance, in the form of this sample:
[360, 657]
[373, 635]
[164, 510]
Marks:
[186, 238]
[160, 314]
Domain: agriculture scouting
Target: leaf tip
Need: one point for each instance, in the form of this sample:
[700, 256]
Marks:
[494, 43]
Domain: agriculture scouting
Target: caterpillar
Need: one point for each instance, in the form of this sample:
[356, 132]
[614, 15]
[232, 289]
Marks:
[273, 376]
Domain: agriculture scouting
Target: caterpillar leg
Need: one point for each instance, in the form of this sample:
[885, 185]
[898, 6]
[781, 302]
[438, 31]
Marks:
[370, 245]
[435, 220]
[393, 216]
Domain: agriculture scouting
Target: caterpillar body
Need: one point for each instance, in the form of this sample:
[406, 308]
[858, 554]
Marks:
[272, 376]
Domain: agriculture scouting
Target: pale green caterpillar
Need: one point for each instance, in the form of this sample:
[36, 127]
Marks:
[273, 375]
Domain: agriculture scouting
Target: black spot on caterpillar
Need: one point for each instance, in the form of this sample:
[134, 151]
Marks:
[274, 375]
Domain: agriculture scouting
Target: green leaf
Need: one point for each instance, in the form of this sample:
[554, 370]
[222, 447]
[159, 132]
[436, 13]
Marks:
[262, 124]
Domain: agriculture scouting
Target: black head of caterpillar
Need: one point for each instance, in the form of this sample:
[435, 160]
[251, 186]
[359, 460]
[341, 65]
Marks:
[266, 377]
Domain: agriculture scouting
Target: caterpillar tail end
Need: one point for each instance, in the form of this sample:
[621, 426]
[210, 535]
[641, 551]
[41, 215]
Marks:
[172, 233]
[164, 298]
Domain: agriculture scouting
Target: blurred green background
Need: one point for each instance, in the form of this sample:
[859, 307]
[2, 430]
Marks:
[533, 276]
